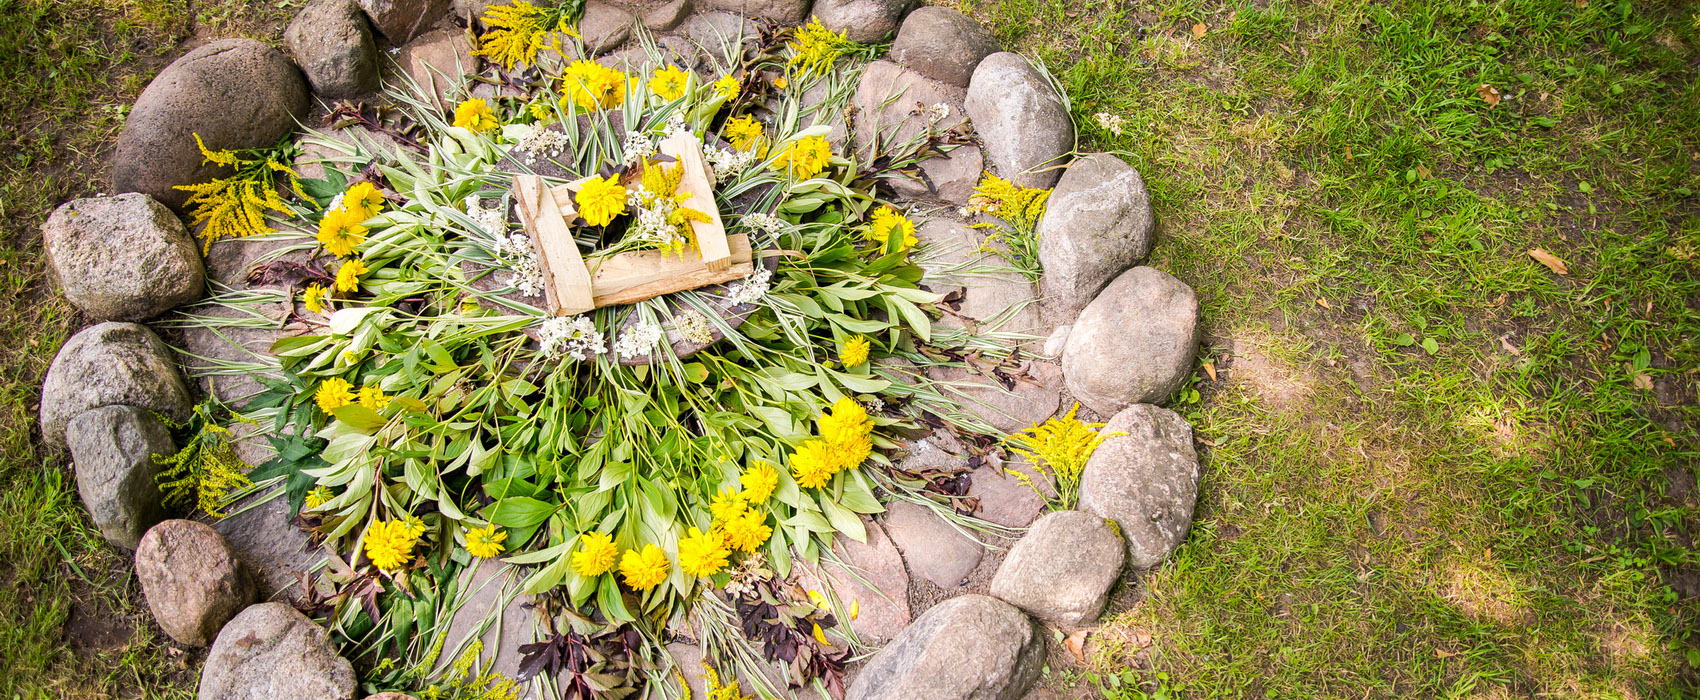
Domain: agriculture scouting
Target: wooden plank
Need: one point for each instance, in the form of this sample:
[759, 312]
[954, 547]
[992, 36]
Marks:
[710, 235]
[645, 274]
[545, 218]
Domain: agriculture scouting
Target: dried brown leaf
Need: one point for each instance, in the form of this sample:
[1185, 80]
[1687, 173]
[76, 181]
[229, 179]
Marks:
[1489, 94]
[1643, 382]
[1323, 303]
[1210, 369]
[1077, 645]
[1508, 346]
[1548, 259]
[1199, 29]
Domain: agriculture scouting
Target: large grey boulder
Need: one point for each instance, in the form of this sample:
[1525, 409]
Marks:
[866, 21]
[235, 93]
[108, 364]
[604, 26]
[191, 579]
[112, 448]
[661, 17]
[933, 549]
[122, 258]
[942, 44]
[1061, 571]
[1096, 225]
[402, 20]
[1133, 344]
[1021, 119]
[781, 11]
[332, 42]
[273, 652]
[1146, 479]
[895, 105]
[967, 648]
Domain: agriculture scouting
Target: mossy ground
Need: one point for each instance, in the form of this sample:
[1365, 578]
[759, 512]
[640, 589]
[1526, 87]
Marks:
[1433, 467]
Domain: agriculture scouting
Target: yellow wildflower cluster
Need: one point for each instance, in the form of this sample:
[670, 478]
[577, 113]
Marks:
[703, 553]
[592, 86]
[370, 396]
[485, 542]
[803, 158]
[717, 691]
[390, 543]
[600, 200]
[855, 350]
[888, 221]
[845, 442]
[644, 569]
[1060, 446]
[661, 194]
[669, 83]
[814, 47]
[236, 206]
[341, 231]
[463, 683]
[738, 515]
[520, 30]
[333, 393]
[1022, 206]
[475, 115]
[745, 134]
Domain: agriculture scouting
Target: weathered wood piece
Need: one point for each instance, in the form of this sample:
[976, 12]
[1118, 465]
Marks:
[565, 279]
[645, 274]
[711, 234]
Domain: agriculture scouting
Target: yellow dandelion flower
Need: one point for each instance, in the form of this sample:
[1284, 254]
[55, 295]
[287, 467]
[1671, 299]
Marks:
[415, 526]
[888, 221]
[317, 497]
[644, 570]
[485, 542]
[727, 88]
[804, 158]
[372, 397]
[703, 553]
[669, 83]
[389, 544]
[314, 298]
[746, 531]
[364, 199]
[812, 464]
[600, 200]
[758, 482]
[340, 231]
[592, 86]
[475, 115]
[855, 351]
[334, 393]
[596, 554]
[726, 504]
[348, 276]
[745, 134]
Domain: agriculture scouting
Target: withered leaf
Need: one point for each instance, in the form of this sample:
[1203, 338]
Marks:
[1548, 259]
[1199, 29]
[1643, 382]
[1077, 645]
[1489, 94]
[1210, 369]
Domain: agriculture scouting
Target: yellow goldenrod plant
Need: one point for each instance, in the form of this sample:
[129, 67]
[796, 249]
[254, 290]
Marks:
[1020, 208]
[206, 471]
[237, 205]
[516, 32]
[1058, 450]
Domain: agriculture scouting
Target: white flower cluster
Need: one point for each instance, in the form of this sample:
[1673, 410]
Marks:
[637, 340]
[751, 289]
[336, 202]
[516, 250]
[493, 221]
[542, 142]
[693, 326]
[676, 125]
[874, 404]
[574, 337]
[637, 147]
[937, 113]
[1110, 122]
[765, 222]
[729, 163]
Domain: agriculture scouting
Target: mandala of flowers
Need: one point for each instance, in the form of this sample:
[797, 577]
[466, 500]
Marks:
[636, 472]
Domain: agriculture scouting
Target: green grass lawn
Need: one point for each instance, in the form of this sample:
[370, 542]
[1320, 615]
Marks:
[1433, 467]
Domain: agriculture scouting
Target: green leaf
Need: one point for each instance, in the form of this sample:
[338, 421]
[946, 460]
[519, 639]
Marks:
[1404, 340]
[359, 418]
[696, 373]
[518, 512]
[843, 519]
[1431, 346]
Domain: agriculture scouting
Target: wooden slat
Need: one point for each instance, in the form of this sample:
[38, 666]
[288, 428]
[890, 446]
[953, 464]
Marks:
[646, 274]
[545, 218]
[710, 235]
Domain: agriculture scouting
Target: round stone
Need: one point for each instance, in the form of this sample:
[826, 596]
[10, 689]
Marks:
[1097, 224]
[333, 43]
[108, 364]
[942, 44]
[865, 21]
[122, 258]
[113, 449]
[1026, 130]
[1134, 343]
[271, 651]
[1145, 478]
[192, 580]
[1062, 570]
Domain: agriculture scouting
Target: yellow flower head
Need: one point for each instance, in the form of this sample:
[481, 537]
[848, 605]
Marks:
[592, 86]
[703, 553]
[781, 83]
[372, 397]
[812, 465]
[596, 554]
[317, 497]
[364, 199]
[888, 221]
[600, 200]
[314, 298]
[726, 504]
[847, 432]
[415, 526]
[519, 30]
[644, 570]
[758, 482]
[727, 88]
[340, 231]
[814, 47]
[485, 542]
[348, 276]
[475, 115]
[669, 83]
[745, 134]
[1022, 206]
[855, 351]
[389, 544]
[804, 158]
[334, 393]
[746, 531]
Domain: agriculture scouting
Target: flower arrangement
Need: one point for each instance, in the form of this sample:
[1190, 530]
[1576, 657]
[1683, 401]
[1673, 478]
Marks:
[236, 205]
[435, 415]
[1059, 449]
